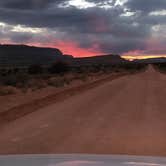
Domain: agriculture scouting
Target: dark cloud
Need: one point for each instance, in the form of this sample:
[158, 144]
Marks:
[30, 4]
[146, 6]
[118, 29]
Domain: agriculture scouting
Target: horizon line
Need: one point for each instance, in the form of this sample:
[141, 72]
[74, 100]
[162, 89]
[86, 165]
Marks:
[129, 57]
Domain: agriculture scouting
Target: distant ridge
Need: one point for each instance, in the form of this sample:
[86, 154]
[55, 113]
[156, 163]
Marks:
[151, 60]
[23, 55]
[100, 60]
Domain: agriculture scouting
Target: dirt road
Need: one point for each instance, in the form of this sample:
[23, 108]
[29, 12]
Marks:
[124, 116]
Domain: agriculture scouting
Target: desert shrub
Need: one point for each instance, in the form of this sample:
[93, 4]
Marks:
[15, 70]
[35, 69]
[22, 79]
[37, 84]
[160, 66]
[10, 80]
[82, 77]
[69, 77]
[58, 81]
[7, 91]
[3, 72]
[97, 68]
[59, 68]
[45, 76]
[9, 71]
[133, 67]
[14, 79]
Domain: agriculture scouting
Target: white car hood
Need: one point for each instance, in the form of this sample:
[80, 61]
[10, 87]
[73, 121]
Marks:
[80, 160]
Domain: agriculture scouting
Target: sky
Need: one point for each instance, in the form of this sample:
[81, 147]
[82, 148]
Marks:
[132, 28]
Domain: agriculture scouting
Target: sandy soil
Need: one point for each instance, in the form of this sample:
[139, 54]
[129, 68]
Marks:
[123, 116]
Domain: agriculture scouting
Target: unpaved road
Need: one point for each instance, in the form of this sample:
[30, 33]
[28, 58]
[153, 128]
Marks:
[124, 116]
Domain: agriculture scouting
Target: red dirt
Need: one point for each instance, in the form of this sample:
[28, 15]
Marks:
[123, 116]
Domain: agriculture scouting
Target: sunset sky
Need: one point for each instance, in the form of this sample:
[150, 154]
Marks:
[87, 27]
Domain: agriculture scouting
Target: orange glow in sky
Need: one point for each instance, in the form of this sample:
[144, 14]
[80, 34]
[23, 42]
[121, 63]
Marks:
[72, 48]
[133, 57]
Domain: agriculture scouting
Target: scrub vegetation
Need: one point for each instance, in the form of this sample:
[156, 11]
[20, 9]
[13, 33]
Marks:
[56, 75]
[161, 67]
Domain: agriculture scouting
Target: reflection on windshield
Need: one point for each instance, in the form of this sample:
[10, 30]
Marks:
[80, 160]
[80, 163]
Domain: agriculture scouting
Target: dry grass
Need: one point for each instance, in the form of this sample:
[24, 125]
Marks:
[24, 82]
[8, 90]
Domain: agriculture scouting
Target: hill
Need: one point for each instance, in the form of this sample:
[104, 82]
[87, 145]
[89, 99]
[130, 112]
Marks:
[23, 55]
[99, 60]
[151, 60]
